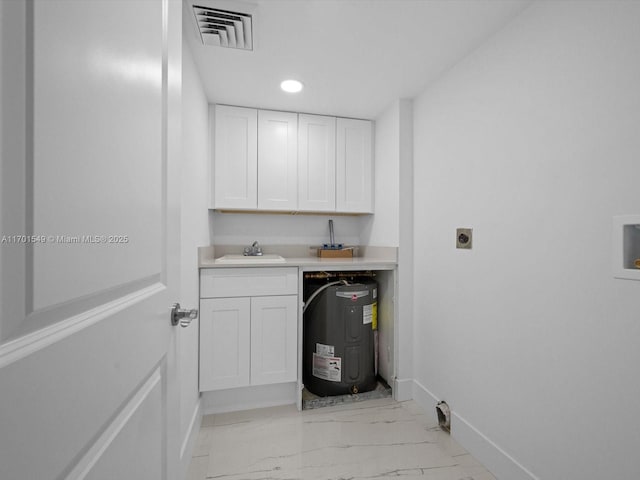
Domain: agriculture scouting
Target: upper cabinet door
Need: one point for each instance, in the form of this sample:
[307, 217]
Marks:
[235, 170]
[354, 163]
[277, 160]
[316, 163]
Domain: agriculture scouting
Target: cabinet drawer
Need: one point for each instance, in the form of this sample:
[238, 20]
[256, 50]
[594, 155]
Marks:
[248, 282]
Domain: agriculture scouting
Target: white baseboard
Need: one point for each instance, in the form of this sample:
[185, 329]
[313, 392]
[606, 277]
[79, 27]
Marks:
[402, 389]
[189, 440]
[248, 398]
[426, 400]
[499, 462]
[494, 458]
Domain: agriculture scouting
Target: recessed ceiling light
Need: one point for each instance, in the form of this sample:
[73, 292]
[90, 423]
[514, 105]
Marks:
[291, 86]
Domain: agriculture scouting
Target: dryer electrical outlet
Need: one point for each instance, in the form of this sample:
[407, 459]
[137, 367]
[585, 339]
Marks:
[464, 238]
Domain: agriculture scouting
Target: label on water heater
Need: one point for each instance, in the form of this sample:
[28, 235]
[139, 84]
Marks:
[325, 350]
[367, 314]
[370, 315]
[327, 368]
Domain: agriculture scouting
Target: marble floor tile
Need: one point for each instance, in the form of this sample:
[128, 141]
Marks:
[375, 439]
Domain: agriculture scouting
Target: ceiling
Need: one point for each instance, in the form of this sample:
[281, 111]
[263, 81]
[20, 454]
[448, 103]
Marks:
[355, 57]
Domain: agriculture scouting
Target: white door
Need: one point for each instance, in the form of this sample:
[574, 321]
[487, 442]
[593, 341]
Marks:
[90, 141]
[316, 163]
[224, 342]
[274, 338]
[277, 160]
[354, 166]
[235, 170]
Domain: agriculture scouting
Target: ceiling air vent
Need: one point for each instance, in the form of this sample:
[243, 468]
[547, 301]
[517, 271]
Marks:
[224, 28]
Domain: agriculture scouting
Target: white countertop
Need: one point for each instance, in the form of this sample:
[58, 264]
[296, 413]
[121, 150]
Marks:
[380, 258]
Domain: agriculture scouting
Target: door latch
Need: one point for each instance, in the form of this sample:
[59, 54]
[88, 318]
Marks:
[182, 316]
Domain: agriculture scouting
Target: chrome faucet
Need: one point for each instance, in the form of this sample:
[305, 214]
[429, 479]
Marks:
[254, 250]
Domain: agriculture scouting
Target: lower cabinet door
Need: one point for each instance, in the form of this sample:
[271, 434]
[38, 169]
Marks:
[274, 339]
[225, 347]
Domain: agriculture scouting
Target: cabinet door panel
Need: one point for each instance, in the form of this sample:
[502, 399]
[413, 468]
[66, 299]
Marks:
[224, 343]
[274, 338]
[354, 164]
[277, 160]
[316, 163]
[235, 171]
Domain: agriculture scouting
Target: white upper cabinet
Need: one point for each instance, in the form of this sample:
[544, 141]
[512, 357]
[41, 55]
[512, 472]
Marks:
[277, 160]
[316, 163]
[354, 166]
[282, 161]
[235, 171]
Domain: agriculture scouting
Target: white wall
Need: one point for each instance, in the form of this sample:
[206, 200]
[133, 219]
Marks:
[194, 228]
[406, 254]
[392, 224]
[382, 229]
[272, 229]
[533, 142]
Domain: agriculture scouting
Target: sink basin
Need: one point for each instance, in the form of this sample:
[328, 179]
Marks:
[261, 259]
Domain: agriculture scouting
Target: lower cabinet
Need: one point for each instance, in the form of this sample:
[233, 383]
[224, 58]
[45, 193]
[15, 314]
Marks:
[274, 339]
[225, 346]
[248, 341]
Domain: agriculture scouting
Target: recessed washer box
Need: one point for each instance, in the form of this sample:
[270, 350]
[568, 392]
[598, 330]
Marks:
[626, 247]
